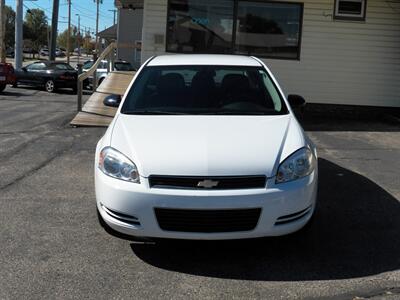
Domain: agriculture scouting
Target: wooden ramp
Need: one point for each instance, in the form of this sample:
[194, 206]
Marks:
[94, 112]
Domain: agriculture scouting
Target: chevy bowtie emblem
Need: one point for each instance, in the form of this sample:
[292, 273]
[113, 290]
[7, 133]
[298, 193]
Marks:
[208, 184]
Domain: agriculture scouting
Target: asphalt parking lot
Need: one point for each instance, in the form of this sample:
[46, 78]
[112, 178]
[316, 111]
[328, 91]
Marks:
[52, 246]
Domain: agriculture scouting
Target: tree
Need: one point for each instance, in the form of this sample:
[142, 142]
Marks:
[10, 26]
[63, 37]
[36, 28]
[88, 44]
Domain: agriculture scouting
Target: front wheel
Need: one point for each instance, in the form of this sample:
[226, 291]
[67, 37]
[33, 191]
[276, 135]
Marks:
[50, 86]
[2, 87]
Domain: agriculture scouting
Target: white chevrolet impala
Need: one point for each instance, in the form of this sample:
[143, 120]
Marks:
[205, 147]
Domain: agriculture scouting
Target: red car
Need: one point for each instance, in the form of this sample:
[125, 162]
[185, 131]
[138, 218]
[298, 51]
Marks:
[7, 75]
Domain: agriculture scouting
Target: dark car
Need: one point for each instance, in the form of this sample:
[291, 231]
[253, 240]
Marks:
[10, 52]
[121, 65]
[7, 75]
[48, 74]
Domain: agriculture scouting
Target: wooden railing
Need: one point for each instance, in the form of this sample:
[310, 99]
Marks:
[109, 55]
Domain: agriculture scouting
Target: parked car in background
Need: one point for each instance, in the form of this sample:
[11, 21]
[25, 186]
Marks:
[44, 52]
[121, 65]
[48, 74]
[205, 147]
[10, 52]
[7, 75]
[29, 50]
[60, 53]
[102, 70]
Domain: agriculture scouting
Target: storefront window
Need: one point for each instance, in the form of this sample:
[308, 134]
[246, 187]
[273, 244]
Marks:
[200, 26]
[265, 29]
[268, 29]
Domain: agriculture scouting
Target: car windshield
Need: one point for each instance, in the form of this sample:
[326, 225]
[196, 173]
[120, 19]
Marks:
[88, 65]
[204, 90]
[123, 66]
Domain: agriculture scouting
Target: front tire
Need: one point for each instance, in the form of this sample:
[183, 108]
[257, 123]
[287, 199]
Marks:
[50, 86]
[2, 87]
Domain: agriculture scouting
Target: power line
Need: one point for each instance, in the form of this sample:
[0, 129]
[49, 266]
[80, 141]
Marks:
[76, 6]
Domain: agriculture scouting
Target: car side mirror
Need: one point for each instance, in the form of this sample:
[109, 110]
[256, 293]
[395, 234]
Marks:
[24, 69]
[296, 101]
[112, 100]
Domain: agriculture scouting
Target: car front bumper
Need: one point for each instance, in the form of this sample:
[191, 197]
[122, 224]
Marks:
[277, 202]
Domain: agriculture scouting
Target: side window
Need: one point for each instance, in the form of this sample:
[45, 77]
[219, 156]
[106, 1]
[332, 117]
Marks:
[36, 66]
[61, 67]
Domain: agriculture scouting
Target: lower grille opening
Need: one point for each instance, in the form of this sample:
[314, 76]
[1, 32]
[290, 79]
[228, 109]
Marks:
[132, 220]
[292, 217]
[207, 221]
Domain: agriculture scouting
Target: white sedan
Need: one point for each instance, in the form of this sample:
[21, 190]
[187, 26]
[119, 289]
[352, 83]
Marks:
[205, 147]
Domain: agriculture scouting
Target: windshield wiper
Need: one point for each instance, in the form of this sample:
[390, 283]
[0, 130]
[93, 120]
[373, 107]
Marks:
[151, 112]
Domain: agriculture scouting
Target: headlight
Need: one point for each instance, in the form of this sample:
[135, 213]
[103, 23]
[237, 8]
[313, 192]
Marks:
[113, 163]
[298, 165]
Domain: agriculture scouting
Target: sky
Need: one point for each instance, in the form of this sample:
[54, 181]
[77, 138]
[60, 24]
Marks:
[86, 9]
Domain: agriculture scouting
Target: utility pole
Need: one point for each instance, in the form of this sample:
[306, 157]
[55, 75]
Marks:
[18, 33]
[79, 36]
[97, 25]
[2, 32]
[114, 11]
[69, 31]
[54, 23]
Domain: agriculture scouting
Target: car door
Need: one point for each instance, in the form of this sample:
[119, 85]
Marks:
[23, 74]
[31, 73]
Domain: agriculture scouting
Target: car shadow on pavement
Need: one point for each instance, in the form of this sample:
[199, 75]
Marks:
[355, 233]
[14, 94]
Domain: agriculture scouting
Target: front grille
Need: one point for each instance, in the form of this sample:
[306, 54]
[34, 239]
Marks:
[208, 183]
[207, 221]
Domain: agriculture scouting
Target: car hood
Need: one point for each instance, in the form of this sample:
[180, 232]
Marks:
[207, 145]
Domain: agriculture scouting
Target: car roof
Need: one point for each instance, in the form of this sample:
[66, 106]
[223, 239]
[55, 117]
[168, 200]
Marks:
[50, 62]
[204, 59]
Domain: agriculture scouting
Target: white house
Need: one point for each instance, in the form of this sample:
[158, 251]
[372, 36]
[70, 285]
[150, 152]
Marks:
[329, 51]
